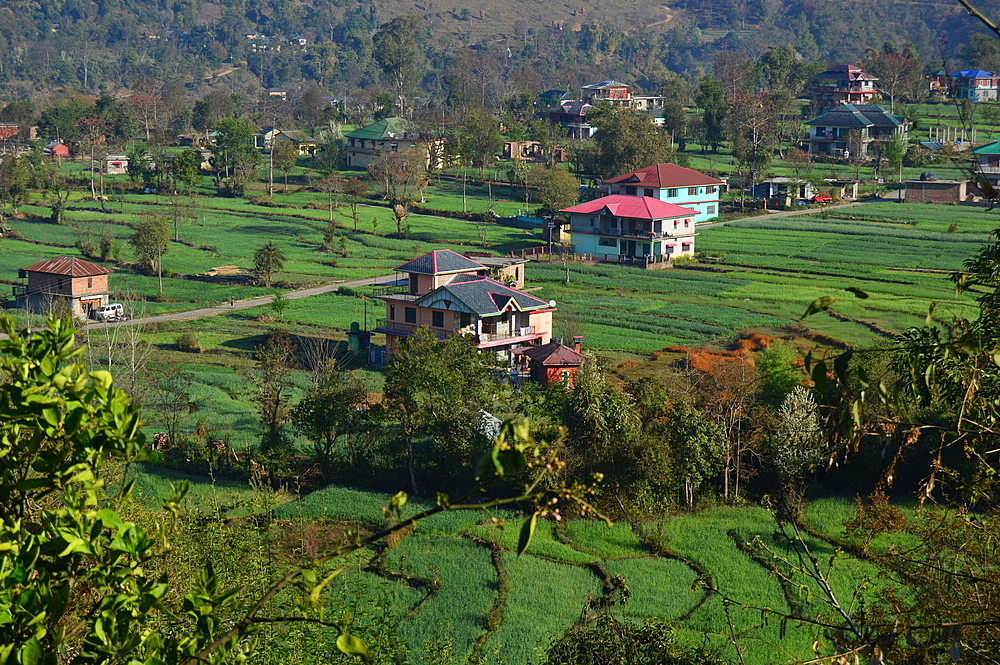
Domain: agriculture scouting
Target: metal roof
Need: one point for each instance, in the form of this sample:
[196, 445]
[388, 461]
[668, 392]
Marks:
[440, 262]
[858, 115]
[69, 265]
[635, 207]
[666, 175]
[552, 353]
[388, 128]
[484, 296]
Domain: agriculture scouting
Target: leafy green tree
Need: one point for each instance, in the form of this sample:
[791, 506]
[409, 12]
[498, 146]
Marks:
[150, 240]
[15, 178]
[267, 260]
[439, 389]
[270, 392]
[796, 443]
[233, 156]
[481, 139]
[608, 641]
[553, 187]
[285, 156]
[332, 408]
[354, 190]
[697, 447]
[397, 54]
[627, 139]
[185, 169]
[711, 100]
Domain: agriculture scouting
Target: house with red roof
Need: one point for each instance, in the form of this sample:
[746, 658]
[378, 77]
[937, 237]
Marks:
[552, 364]
[81, 285]
[639, 230]
[452, 294]
[672, 184]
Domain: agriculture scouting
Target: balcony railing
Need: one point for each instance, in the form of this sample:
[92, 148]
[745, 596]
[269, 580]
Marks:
[495, 335]
[989, 169]
[640, 235]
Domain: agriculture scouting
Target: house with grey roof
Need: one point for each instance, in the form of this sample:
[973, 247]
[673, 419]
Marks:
[364, 145]
[452, 294]
[830, 132]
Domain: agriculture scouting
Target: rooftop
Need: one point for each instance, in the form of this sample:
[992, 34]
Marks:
[440, 262]
[69, 265]
[634, 207]
[858, 115]
[665, 175]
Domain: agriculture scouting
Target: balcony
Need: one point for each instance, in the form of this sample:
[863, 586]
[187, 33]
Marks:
[638, 235]
[499, 334]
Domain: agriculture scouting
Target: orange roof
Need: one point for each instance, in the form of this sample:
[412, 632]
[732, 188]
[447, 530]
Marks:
[666, 175]
[636, 207]
[68, 265]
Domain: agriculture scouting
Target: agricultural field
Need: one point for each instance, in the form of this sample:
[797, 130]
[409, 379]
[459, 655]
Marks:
[512, 607]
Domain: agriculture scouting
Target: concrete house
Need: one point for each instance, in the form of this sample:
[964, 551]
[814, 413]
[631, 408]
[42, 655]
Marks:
[672, 184]
[830, 133]
[551, 364]
[638, 230]
[81, 285]
[364, 145]
[841, 84]
[451, 294]
[976, 85]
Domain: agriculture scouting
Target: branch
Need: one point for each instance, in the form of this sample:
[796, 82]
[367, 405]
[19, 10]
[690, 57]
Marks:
[979, 15]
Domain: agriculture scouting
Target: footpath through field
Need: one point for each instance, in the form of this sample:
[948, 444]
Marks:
[789, 213]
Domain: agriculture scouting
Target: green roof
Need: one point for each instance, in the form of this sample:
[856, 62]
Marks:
[988, 149]
[389, 128]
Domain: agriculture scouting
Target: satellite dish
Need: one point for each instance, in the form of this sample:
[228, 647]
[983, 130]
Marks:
[552, 303]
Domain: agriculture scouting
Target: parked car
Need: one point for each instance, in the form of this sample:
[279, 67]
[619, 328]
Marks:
[111, 312]
[823, 198]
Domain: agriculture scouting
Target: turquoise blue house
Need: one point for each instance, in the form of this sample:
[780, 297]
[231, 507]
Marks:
[672, 184]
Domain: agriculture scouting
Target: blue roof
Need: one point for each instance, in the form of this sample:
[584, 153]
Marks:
[973, 74]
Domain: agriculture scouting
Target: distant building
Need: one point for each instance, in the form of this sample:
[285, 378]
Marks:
[551, 364]
[976, 85]
[988, 157]
[81, 285]
[942, 191]
[830, 132]
[364, 145]
[841, 84]
[571, 119]
[116, 164]
[673, 184]
[451, 294]
[638, 230]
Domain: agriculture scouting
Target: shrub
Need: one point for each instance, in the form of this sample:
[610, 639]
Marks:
[189, 342]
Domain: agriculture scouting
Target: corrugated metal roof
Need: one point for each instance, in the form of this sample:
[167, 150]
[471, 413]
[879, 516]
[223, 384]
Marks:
[69, 265]
[665, 176]
[484, 296]
[635, 207]
[552, 353]
[858, 115]
[388, 128]
[440, 262]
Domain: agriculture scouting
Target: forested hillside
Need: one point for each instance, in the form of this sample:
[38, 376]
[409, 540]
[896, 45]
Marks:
[76, 46]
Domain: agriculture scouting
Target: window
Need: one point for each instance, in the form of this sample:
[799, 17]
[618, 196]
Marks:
[692, 191]
[711, 210]
[410, 314]
[711, 189]
[687, 223]
[657, 226]
[437, 319]
[607, 242]
[671, 192]
[90, 282]
[392, 312]
[464, 319]
[647, 192]
[630, 191]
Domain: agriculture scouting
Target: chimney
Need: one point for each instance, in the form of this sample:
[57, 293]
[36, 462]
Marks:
[577, 343]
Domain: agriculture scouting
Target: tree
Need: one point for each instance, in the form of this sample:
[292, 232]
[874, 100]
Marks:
[712, 101]
[395, 50]
[697, 447]
[399, 174]
[626, 140]
[481, 139]
[440, 389]
[894, 69]
[796, 443]
[150, 240]
[285, 156]
[553, 187]
[270, 391]
[329, 410]
[267, 260]
[607, 641]
[233, 156]
[185, 169]
[355, 190]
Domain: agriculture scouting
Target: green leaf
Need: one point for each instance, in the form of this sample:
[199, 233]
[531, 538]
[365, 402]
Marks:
[353, 646]
[930, 310]
[31, 653]
[858, 293]
[819, 305]
[397, 502]
[527, 531]
[318, 589]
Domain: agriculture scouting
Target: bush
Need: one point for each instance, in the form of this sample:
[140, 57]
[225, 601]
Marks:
[189, 342]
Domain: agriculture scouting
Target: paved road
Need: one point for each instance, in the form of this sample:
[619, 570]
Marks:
[192, 314]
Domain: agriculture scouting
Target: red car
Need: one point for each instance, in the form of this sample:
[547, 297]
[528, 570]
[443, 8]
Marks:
[822, 198]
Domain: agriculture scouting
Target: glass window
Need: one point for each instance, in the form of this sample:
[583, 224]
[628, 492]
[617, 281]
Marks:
[692, 191]
[437, 319]
[630, 191]
[671, 192]
[607, 242]
[464, 319]
[647, 192]
[90, 282]
[392, 312]
[410, 314]
[711, 210]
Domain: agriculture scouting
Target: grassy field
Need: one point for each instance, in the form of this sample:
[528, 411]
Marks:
[469, 593]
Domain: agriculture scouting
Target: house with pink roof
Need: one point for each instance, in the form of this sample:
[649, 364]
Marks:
[673, 184]
[452, 294]
[639, 230]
